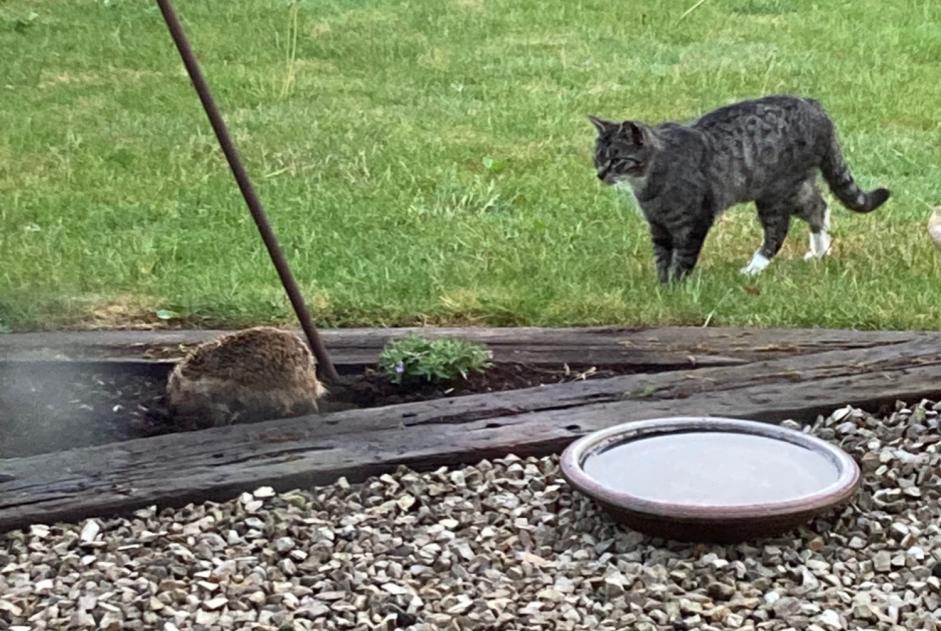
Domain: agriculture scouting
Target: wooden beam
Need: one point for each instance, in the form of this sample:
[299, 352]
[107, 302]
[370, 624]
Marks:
[643, 349]
[219, 463]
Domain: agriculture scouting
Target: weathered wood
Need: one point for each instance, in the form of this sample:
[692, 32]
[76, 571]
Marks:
[644, 349]
[219, 463]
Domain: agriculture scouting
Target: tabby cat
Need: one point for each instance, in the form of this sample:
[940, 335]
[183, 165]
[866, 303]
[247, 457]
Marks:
[765, 151]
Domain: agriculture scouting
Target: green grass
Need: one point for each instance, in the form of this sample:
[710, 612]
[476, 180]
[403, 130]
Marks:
[368, 127]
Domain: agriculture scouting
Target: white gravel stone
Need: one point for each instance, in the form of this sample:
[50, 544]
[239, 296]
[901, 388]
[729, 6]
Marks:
[90, 531]
[263, 493]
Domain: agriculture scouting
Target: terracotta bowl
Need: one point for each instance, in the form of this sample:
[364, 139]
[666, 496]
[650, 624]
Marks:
[710, 479]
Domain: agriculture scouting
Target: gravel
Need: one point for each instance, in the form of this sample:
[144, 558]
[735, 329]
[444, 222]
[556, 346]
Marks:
[505, 544]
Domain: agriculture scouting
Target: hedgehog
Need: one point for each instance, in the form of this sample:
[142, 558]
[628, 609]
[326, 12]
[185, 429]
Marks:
[247, 376]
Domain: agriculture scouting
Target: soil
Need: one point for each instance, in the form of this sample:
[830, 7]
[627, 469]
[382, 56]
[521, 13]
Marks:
[372, 389]
[44, 410]
[58, 406]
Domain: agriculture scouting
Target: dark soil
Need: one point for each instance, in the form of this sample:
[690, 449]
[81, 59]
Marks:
[372, 389]
[56, 406]
[49, 409]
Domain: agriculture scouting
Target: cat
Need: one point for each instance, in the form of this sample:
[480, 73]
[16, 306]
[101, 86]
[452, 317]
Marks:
[250, 375]
[766, 150]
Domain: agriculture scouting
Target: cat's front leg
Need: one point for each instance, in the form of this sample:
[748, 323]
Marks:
[662, 250]
[688, 249]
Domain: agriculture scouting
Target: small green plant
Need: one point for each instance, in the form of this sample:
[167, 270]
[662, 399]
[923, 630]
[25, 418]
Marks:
[493, 165]
[414, 358]
[166, 314]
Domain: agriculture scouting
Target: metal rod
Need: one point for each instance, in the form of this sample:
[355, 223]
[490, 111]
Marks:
[248, 192]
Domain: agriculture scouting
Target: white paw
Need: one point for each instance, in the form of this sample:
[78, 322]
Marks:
[756, 265]
[819, 245]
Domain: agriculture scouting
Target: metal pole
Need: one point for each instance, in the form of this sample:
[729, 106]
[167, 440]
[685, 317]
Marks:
[248, 192]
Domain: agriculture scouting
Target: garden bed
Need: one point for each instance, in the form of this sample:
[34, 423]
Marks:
[48, 406]
[62, 390]
[761, 375]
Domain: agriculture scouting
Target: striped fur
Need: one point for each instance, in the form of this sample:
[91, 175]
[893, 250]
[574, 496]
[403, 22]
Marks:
[767, 151]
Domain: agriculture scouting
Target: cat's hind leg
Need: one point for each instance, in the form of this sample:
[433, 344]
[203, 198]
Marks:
[775, 217]
[814, 210]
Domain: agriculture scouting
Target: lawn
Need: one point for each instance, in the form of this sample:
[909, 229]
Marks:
[429, 161]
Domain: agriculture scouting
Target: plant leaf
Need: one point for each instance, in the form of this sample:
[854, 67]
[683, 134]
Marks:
[493, 165]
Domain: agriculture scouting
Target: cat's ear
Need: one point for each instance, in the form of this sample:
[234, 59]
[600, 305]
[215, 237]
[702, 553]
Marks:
[602, 125]
[637, 132]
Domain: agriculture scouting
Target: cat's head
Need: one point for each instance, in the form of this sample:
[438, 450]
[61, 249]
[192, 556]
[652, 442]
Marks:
[623, 150]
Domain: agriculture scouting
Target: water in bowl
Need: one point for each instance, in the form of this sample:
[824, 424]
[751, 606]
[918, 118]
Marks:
[712, 469]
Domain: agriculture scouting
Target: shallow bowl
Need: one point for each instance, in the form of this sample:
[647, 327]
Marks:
[710, 479]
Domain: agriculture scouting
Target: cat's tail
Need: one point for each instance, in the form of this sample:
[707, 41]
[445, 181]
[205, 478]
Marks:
[841, 182]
